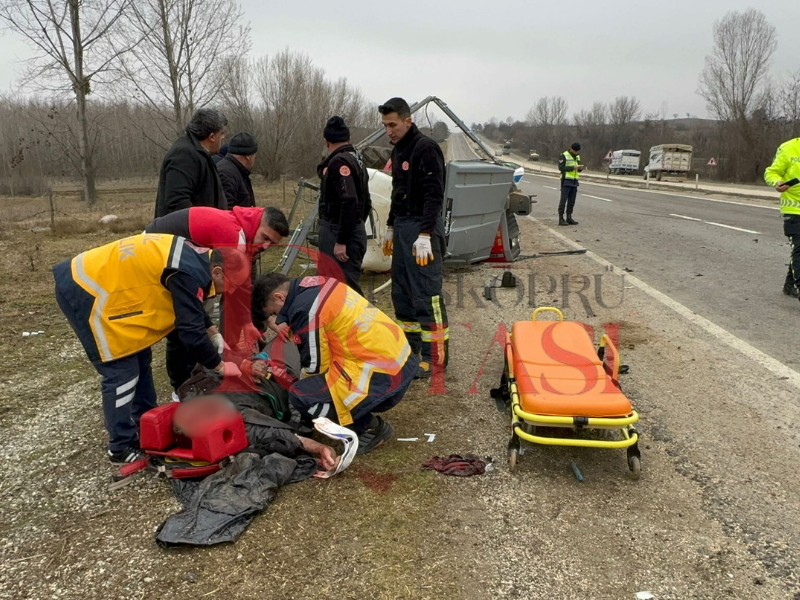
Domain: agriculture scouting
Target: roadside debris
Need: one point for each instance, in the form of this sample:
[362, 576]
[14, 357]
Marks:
[407, 439]
[577, 471]
[508, 280]
[456, 465]
[108, 219]
[644, 596]
[32, 333]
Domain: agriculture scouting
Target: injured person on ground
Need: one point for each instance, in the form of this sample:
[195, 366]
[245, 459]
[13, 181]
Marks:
[264, 433]
[355, 359]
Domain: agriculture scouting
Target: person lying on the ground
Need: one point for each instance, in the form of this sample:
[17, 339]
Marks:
[356, 360]
[264, 434]
[123, 297]
[248, 229]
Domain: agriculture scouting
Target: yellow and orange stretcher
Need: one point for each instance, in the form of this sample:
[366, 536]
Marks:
[555, 378]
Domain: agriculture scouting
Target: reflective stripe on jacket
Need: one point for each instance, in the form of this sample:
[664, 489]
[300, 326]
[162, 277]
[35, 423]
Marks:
[786, 166]
[132, 307]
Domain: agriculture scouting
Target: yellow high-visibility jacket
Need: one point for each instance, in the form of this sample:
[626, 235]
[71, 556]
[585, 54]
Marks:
[341, 335]
[131, 307]
[784, 167]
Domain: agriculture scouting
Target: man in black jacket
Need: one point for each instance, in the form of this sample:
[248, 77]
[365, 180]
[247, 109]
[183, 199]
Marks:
[234, 170]
[188, 175]
[344, 206]
[415, 236]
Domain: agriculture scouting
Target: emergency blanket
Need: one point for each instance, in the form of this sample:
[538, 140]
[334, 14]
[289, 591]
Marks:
[219, 508]
[456, 465]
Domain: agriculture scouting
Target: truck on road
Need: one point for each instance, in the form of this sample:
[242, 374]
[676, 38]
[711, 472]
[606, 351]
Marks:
[624, 162]
[669, 160]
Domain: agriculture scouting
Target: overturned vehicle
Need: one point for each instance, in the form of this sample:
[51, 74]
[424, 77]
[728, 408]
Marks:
[482, 200]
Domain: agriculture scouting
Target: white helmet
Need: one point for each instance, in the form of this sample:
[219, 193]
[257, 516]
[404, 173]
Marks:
[346, 436]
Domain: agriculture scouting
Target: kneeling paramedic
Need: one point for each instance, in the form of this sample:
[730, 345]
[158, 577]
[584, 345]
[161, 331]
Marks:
[355, 359]
[122, 298]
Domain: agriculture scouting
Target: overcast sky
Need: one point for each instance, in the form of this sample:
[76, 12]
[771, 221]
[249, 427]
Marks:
[495, 58]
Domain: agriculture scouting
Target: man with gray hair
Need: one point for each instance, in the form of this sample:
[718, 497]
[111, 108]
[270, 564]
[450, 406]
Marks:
[188, 174]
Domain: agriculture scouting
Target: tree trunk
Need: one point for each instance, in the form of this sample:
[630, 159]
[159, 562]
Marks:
[174, 76]
[81, 88]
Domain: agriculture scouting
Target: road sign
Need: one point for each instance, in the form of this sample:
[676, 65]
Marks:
[711, 162]
[610, 155]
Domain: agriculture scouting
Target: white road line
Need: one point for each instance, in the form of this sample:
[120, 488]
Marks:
[667, 193]
[730, 227]
[713, 223]
[761, 358]
[597, 198]
[550, 188]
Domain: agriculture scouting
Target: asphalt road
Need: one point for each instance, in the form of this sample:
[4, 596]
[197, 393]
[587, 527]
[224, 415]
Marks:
[724, 260]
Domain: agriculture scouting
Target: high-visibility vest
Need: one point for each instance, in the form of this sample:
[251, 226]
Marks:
[786, 167]
[571, 161]
[132, 307]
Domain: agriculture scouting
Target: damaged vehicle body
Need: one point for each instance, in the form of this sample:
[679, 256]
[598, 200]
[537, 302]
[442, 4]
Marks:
[482, 200]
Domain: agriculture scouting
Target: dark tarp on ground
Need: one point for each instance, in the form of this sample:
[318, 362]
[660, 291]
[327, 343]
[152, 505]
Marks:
[219, 508]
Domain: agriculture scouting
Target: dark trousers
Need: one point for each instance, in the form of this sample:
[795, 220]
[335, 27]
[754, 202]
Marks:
[178, 361]
[417, 292]
[791, 229]
[127, 383]
[568, 194]
[348, 272]
[128, 392]
[312, 398]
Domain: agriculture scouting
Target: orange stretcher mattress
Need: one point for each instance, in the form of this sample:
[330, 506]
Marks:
[558, 372]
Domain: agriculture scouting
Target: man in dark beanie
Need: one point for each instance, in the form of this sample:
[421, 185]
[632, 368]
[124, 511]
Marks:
[569, 163]
[188, 175]
[344, 206]
[234, 170]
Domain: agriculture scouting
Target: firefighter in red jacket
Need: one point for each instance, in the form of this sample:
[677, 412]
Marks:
[250, 229]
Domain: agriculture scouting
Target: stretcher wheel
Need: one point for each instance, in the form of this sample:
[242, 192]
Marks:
[513, 454]
[635, 466]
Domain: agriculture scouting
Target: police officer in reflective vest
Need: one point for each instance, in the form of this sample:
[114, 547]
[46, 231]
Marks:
[415, 236]
[783, 174]
[569, 163]
[344, 206]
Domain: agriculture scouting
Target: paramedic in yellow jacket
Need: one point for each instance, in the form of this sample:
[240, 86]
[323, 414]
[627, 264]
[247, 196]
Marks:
[356, 360]
[783, 175]
[123, 297]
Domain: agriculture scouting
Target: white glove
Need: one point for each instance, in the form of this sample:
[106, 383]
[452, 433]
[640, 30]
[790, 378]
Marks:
[388, 242]
[218, 342]
[422, 249]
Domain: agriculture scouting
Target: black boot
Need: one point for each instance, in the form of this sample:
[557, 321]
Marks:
[570, 220]
[561, 220]
[791, 290]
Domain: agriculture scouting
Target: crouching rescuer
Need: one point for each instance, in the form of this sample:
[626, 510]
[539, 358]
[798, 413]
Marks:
[415, 236]
[355, 359]
[123, 297]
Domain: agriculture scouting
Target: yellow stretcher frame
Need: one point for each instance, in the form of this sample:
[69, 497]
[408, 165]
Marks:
[630, 437]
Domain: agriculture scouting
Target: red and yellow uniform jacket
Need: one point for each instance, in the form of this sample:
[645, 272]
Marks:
[341, 335]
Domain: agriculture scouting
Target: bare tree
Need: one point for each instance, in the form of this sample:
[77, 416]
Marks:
[624, 111]
[790, 102]
[548, 112]
[181, 63]
[737, 68]
[71, 41]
